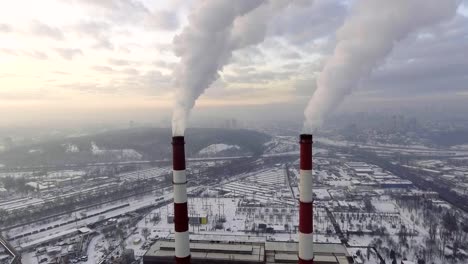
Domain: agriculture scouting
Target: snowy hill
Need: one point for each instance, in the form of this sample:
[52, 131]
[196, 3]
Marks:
[216, 149]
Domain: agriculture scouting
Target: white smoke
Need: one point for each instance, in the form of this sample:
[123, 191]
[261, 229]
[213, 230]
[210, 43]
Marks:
[366, 38]
[216, 28]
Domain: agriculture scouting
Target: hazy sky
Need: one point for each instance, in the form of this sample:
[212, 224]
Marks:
[113, 59]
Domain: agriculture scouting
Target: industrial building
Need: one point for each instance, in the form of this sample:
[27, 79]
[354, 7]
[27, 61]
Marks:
[246, 250]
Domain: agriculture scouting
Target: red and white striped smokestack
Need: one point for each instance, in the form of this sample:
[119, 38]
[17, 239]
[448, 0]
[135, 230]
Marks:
[306, 243]
[181, 219]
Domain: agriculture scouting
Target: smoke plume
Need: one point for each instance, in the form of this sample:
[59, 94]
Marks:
[216, 29]
[366, 38]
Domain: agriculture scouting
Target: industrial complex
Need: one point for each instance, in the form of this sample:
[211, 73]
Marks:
[244, 249]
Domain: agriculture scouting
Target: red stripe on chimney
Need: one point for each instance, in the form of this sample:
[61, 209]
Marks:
[178, 153]
[306, 151]
[181, 217]
[306, 221]
[302, 261]
[185, 260]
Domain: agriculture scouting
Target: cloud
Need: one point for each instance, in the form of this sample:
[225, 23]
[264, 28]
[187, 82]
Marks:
[36, 54]
[117, 72]
[103, 69]
[120, 11]
[127, 81]
[249, 56]
[166, 65]
[291, 54]
[305, 87]
[86, 87]
[157, 78]
[163, 20]
[222, 90]
[258, 76]
[6, 51]
[130, 71]
[40, 29]
[300, 24]
[36, 94]
[427, 62]
[119, 62]
[68, 53]
[99, 31]
[61, 72]
[5, 28]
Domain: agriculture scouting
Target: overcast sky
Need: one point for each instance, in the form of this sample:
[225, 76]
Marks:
[113, 59]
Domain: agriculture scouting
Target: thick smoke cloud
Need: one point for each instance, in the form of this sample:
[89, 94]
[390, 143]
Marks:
[366, 38]
[216, 29]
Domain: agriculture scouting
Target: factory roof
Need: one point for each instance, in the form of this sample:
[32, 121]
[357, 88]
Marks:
[207, 252]
[319, 248]
[363, 170]
[52, 237]
[286, 252]
[356, 164]
[49, 238]
[227, 238]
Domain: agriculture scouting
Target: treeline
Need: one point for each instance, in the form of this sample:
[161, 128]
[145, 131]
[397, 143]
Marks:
[17, 184]
[152, 143]
[449, 138]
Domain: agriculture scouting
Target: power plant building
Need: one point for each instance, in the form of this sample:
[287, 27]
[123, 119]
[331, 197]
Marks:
[248, 250]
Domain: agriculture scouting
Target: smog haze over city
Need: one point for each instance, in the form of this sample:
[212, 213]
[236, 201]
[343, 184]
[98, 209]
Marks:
[243, 131]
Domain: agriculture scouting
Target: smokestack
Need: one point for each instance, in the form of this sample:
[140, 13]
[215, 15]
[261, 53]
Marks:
[181, 220]
[306, 243]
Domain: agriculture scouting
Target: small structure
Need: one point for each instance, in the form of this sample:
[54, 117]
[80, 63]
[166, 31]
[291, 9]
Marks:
[193, 219]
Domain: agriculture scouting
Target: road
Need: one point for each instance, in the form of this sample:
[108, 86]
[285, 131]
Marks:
[288, 182]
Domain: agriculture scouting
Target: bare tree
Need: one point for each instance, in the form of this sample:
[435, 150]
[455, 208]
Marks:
[450, 225]
[433, 225]
[145, 232]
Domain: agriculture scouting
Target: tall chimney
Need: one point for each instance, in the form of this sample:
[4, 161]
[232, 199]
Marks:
[181, 220]
[306, 243]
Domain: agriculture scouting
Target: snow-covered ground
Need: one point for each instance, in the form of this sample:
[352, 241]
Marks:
[71, 148]
[127, 154]
[281, 145]
[267, 186]
[217, 148]
[96, 249]
[145, 174]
